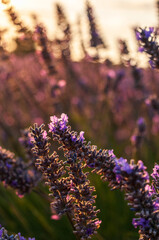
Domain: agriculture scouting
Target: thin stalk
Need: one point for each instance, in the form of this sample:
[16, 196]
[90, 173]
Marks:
[69, 218]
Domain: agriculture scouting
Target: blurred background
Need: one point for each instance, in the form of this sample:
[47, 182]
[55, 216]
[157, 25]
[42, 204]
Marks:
[116, 19]
[49, 49]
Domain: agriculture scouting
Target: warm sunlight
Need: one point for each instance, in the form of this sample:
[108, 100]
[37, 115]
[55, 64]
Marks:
[16, 2]
[79, 119]
[2, 7]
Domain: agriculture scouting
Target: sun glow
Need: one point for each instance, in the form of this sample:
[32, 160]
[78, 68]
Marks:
[6, 3]
[16, 2]
[2, 7]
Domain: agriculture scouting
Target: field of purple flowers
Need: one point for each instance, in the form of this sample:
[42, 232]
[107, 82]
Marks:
[71, 132]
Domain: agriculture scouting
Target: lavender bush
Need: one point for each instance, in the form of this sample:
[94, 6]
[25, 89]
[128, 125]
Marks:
[130, 177]
[116, 105]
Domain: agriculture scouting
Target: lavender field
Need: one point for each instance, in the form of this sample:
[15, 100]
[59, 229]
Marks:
[79, 139]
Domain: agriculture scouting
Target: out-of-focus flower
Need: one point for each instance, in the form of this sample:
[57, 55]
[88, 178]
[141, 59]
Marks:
[147, 39]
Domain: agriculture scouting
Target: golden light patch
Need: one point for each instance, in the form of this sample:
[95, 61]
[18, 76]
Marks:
[2, 6]
[16, 2]
[5, 1]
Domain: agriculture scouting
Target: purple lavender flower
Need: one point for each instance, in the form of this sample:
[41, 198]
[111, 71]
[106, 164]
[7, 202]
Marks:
[26, 141]
[141, 49]
[84, 212]
[96, 40]
[147, 39]
[139, 134]
[155, 176]
[64, 121]
[14, 172]
[65, 31]
[121, 166]
[73, 195]
[138, 35]
[85, 219]
[130, 177]
[44, 135]
[64, 118]
[52, 169]
[1, 232]
[42, 41]
[73, 138]
[156, 204]
[81, 136]
[155, 173]
[141, 124]
[102, 160]
[4, 235]
[152, 64]
[140, 222]
[55, 121]
[140, 195]
[144, 33]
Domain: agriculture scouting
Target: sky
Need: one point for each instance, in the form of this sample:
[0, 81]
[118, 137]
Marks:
[115, 18]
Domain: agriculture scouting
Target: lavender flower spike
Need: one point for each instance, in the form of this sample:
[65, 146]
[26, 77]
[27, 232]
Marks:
[102, 161]
[62, 122]
[4, 235]
[85, 216]
[72, 194]
[130, 177]
[85, 221]
[155, 176]
[14, 172]
[53, 171]
[135, 182]
[147, 40]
